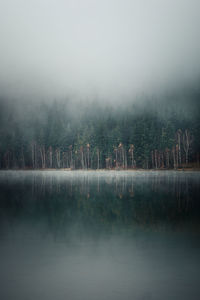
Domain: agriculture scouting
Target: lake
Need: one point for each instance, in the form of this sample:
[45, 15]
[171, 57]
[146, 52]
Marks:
[99, 235]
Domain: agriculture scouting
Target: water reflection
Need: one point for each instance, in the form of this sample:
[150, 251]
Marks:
[108, 200]
[99, 235]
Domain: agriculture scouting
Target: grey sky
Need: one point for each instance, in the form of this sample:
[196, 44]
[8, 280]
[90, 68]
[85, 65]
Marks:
[104, 48]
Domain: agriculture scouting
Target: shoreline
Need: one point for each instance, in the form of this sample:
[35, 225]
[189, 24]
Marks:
[105, 170]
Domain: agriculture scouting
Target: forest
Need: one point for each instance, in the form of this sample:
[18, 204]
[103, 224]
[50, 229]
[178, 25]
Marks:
[148, 133]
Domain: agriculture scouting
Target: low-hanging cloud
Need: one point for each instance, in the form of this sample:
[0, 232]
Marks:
[107, 48]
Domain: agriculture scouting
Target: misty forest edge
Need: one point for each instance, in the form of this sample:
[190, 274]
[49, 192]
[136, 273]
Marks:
[63, 135]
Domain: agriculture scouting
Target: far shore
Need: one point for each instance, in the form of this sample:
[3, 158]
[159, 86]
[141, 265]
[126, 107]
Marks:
[107, 170]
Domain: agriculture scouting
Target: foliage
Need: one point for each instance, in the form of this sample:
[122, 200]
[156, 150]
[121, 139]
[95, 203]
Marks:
[30, 134]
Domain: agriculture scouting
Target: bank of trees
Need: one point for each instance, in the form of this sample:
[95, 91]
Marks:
[59, 136]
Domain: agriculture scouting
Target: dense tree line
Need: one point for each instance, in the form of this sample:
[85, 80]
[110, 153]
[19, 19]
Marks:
[61, 134]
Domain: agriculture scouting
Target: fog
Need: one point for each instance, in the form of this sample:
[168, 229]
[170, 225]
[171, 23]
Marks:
[97, 49]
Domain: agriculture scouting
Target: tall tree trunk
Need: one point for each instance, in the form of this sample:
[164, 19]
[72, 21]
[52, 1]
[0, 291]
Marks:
[156, 158]
[71, 157]
[131, 150]
[88, 156]
[22, 157]
[82, 158]
[116, 157]
[161, 160]
[174, 156]
[42, 155]
[50, 157]
[33, 154]
[167, 157]
[98, 158]
[178, 135]
[152, 159]
[177, 155]
[125, 158]
[58, 157]
[108, 163]
[187, 141]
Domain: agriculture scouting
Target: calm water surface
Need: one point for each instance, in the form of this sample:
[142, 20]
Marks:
[99, 235]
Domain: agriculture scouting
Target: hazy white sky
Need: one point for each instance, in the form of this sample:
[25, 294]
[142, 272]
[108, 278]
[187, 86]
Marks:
[104, 48]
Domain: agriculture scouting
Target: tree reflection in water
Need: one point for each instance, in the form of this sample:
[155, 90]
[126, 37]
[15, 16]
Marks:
[104, 200]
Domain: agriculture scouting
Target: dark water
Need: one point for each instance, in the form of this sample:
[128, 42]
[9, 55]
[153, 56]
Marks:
[99, 235]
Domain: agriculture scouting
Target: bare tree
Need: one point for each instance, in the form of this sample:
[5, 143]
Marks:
[174, 156]
[22, 157]
[152, 159]
[88, 155]
[98, 158]
[131, 151]
[33, 154]
[178, 139]
[177, 154]
[121, 155]
[116, 157]
[162, 160]
[65, 159]
[71, 157]
[125, 159]
[108, 163]
[187, 141]
[82, 157]
[50, 152]
[156, 158]
[57, 152]
[167, 157]
[43, 156]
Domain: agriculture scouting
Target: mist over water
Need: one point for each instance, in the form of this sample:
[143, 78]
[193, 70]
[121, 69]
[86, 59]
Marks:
[99, 235]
